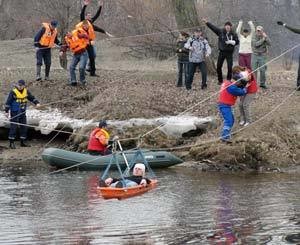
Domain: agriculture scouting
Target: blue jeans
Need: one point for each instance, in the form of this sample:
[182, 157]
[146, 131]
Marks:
[17, 117]
[128, 183]
[82, 59]
[228, 118]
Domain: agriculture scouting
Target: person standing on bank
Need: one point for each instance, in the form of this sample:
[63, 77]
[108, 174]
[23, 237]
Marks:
[44, 40]
[260, 43]
[16, 105]
[229, 92]
[245, 49]
[228, 39]
[199, 50]
[91, 47]
[295, 30]
[77, 42]
[183, 58]
[246, 100]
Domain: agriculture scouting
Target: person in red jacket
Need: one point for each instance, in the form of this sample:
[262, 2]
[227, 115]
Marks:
[229, 92]
[245, 101]
[98, 142]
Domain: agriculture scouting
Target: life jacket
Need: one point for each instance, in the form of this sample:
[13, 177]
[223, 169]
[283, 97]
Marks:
[225, 97]
[75, 43]
[20, 99]
[48, 37]
[91, 31]
[94, 142]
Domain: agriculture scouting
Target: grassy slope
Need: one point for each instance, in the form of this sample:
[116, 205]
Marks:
[128, 88]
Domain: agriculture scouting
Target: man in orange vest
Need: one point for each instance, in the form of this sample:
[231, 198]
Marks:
[91, 48]
[98, 140]
[229, 92]
[44, 40]
[77, 42]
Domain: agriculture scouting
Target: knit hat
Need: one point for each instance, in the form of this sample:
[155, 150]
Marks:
[228, 23]
[140, 166]
[21, 82]
[54, 23]
[102, 123]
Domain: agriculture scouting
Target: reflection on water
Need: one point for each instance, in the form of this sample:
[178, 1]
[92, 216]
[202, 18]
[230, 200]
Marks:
[188, 206]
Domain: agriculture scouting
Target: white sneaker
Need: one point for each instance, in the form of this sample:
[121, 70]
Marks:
[242, 123]
[246, 124]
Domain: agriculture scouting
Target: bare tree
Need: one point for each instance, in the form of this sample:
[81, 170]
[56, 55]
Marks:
[66, 12]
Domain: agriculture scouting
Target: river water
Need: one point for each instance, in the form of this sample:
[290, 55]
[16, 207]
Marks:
[187, 207]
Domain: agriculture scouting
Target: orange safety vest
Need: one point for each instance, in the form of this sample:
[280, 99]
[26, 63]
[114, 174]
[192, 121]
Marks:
[75, 43]
[91, 31]
[48, 37]
[94, 142]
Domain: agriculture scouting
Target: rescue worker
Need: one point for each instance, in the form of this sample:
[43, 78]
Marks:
[77, 42]
[16, 104]
[44, 40]
[92, 49]
[98, 141]
[295, 30]
[229, 92]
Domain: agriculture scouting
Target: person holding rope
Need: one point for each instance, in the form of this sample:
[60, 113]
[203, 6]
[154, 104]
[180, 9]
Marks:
[295, 30]
[91, 48]
[228, 39]
[16, 104]
[137, 178]
[77, 42]
[98, 141]
[246, 100]
[44, 40]
[229, 92]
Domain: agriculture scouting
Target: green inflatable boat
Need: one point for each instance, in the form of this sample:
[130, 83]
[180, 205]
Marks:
[62, 159]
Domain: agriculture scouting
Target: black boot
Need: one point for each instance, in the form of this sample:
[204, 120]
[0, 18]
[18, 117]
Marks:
[12, 144]
[24, 144]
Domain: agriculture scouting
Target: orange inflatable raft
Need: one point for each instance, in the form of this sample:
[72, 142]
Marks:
[122, 193]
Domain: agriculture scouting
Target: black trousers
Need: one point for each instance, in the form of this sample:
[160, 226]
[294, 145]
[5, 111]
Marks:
[18, 117]
[222, 57]
[91, 54]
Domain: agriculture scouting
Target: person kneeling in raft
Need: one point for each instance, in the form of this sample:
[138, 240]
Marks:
[137, 178]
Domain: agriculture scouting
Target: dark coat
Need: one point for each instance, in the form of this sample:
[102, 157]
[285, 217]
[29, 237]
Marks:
[223, 37]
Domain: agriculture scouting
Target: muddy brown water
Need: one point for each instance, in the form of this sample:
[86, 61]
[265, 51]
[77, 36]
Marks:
[187, 207]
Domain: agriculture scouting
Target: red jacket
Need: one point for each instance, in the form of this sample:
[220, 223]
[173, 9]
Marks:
[252, 88]
[225, 97]
[98, 140]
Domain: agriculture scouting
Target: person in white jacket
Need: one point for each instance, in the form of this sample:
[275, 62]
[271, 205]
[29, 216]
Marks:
[245, 50]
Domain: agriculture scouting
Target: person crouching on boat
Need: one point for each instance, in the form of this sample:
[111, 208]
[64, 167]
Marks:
[98, 141]
[137, 178]
[229, 92]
